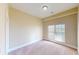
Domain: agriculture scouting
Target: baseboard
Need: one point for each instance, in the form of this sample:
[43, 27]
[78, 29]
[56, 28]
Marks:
[61, 43]
[12, 49]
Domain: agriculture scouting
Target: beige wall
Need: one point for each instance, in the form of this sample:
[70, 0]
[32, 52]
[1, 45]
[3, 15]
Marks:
[78, 29]
[24, 28]
[70, 22]
[3, 25]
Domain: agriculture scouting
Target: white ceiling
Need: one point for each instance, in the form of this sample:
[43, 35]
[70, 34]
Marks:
[35, 9]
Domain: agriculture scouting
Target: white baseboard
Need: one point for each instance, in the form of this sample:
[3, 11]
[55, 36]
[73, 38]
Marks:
[12, 49]
[65, 44]
[70, 46]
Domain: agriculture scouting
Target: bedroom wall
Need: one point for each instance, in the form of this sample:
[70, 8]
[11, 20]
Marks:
[78, 29]
[3, 28]
[24, 28]
[70, 22]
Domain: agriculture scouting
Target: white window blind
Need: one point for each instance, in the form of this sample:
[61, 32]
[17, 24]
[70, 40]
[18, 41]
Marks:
[57, 32]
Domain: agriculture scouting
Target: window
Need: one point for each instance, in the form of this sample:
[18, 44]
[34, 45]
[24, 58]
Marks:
[57, 32]
[51, 32]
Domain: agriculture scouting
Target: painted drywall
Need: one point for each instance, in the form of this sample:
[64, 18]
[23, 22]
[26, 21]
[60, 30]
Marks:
[24, 28]
[78, 28]
[70, 22]
[3, 25]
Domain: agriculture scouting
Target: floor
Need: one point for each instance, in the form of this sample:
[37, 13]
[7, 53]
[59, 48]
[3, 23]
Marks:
[44, 48]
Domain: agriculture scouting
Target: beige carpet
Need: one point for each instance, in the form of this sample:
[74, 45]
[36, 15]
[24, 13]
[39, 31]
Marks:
[44, 48]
